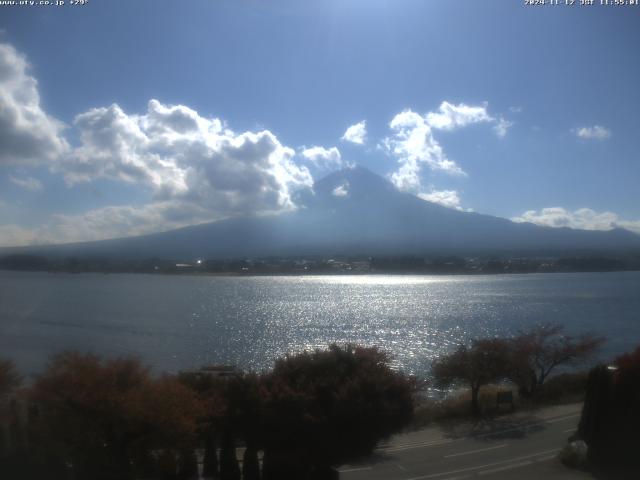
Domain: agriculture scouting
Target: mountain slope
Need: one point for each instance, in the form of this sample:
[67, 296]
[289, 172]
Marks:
[354, 211]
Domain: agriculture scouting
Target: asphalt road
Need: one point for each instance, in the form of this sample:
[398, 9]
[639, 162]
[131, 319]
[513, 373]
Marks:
[519, 446]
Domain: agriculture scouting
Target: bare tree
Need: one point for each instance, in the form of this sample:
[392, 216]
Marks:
[537, 352]
[485, 361]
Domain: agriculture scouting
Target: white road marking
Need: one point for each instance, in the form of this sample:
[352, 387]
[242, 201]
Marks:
[470, 452]
[524, 427]
[547, 458]
[506, 467]
[560, 419]
[478, 467]
[409, 446]
[359, 469]
[569, 430]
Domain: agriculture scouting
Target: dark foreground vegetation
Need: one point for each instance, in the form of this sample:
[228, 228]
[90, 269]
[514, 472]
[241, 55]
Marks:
[90, 418]
[428, 265]
[610, 419]
[526, 360]
[85, 417]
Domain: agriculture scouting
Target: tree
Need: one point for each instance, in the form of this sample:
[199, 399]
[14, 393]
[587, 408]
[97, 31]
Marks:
[229, 468]
[9, 381]
[240, 419]
[485, 361]
[610, 418]
[537, 352]
[105, 416]
[9, 378]
[629, 362]
[212, 391]
[210, 459]
[250, 464]
[188, 465]
[324, 408]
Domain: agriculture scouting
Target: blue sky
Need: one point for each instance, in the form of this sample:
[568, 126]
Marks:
[122, 118]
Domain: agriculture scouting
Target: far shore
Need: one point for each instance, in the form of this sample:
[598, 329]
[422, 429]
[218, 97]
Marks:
[195, 273]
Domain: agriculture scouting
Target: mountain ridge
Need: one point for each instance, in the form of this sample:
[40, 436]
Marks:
[350, 211]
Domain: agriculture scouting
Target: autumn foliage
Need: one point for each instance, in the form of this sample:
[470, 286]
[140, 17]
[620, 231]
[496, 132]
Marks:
[527, 360]
[105, 419]
[91, 418]
[327, 407]
[483, 362]
[539, 351]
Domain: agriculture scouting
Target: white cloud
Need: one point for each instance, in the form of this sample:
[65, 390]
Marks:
[413, 145]
[449, 116]
[178, 154]
[28, 183]
[341, 190]
[28, 136]
[356, 133]
[583, 218]
[502, 126]
[13, 235]
[323, 158]
[106, 222]
[446, 198]
[596, 132]
[194, 168]
[122, 221]
[124, 147]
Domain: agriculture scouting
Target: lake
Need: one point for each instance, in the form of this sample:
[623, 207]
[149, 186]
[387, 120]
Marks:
[178, 322]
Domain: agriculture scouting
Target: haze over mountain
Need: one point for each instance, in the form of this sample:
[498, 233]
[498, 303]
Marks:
[353, 211]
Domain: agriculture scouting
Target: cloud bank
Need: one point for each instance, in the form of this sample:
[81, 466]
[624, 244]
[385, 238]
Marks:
[189, 159]
[196, 169]
[28, 136]
[583, 218]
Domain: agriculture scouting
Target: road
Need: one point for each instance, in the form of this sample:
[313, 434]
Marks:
[522, 446]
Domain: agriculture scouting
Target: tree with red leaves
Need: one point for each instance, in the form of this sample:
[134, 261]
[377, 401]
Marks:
[483, 362]
[105, 417]
[324, 408]
[540, 350]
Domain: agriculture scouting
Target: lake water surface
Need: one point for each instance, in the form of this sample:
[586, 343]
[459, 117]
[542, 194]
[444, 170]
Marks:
[176, 322]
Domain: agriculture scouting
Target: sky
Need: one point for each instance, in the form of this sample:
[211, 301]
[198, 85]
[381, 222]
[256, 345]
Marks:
[122, 118]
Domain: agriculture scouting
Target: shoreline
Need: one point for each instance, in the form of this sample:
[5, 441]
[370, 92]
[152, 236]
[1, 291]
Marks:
[312, 274]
